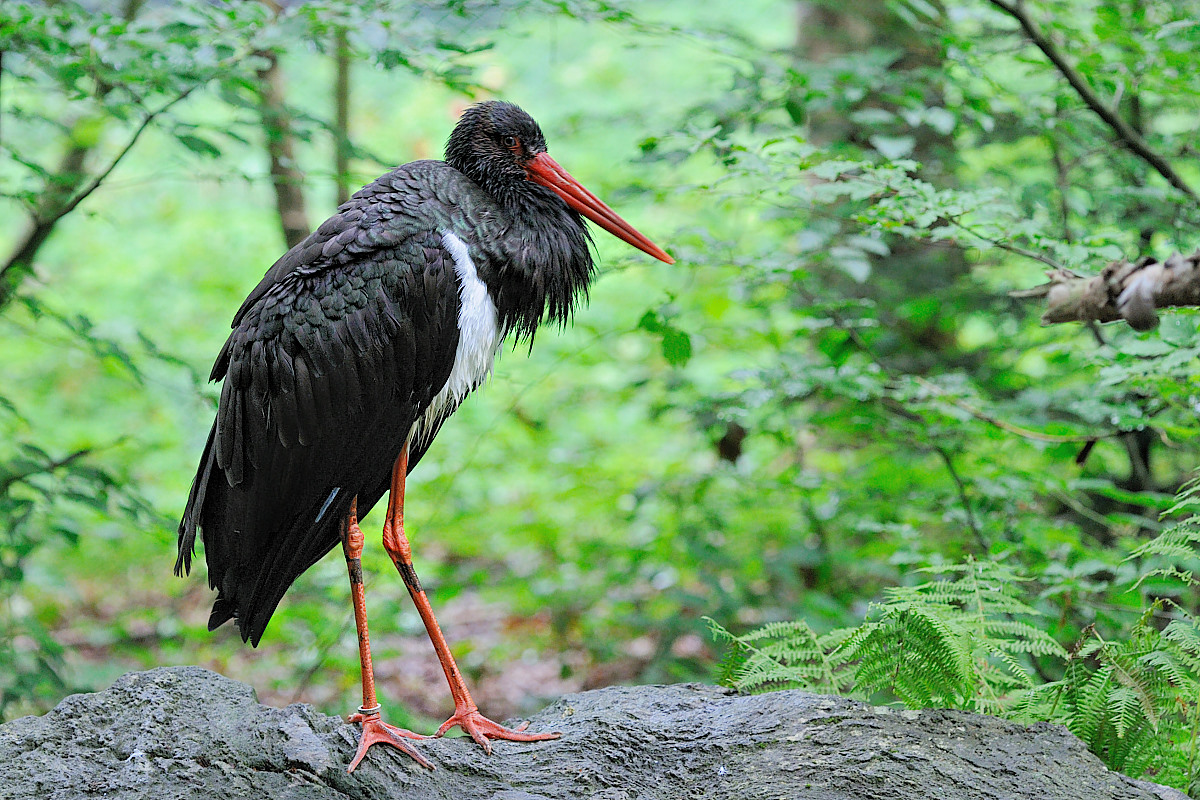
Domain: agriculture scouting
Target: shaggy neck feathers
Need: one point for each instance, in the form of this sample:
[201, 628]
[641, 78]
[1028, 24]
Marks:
[541, 265]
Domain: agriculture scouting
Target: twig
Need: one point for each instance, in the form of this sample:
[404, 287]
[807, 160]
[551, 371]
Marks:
[137, 133]
[42, 469]
[972, 522]
[1025, 433]
[23, 258]
[1125, 132]
[1079, 508]
[1003, 245]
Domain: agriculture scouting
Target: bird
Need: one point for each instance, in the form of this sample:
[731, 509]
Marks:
[355, 348]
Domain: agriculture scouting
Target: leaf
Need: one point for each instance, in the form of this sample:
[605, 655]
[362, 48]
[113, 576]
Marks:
[198, 145]
[651, 321]
[851, 261]
[676, 346]
[893, 147]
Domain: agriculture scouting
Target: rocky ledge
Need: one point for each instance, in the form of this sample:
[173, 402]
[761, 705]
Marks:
[189, 733]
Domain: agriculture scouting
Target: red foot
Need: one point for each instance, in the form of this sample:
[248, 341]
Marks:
[480, 728]
[376, 731]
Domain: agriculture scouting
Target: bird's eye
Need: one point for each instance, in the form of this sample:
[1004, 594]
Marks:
[511, 142]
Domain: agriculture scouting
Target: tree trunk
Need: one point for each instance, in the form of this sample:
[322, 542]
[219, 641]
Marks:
[286, 176]
[341, 124]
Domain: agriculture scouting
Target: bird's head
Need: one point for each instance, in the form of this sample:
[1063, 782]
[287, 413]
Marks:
[501, 148]
[492, 144]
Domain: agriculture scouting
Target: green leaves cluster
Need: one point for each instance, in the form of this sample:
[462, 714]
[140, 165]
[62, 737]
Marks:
[956, 642]
[917, 418]
[45, 501]
[829, 424]
[676, 344]
[971, 641]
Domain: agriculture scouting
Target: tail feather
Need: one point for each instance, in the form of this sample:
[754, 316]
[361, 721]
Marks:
[222, 611]
[253, 557]
[255, 544]
[191, 515]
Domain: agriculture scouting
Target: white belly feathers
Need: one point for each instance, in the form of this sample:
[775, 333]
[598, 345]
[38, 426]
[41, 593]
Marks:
[478, 340]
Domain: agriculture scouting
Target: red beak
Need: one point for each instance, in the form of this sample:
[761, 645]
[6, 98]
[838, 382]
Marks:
[545, 170]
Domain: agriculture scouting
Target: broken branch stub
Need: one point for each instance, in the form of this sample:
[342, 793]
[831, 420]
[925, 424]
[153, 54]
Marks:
[1130, 291]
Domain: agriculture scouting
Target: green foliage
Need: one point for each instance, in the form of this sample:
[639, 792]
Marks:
[972, 642]
[1170, 554]
[45, 501]
[953, 643]
[785, 655]
[923, 424]
[830, 410]
[676, 344]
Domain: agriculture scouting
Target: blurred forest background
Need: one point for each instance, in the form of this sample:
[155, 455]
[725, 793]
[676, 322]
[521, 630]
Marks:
[830, 417]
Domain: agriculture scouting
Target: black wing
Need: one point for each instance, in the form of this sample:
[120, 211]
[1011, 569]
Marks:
[332, 358]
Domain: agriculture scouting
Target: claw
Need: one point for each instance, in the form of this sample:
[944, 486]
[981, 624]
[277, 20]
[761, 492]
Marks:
[376, 731]
[480, 729]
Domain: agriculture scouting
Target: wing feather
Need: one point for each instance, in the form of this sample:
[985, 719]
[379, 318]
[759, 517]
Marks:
[333, 356]
[319, 397]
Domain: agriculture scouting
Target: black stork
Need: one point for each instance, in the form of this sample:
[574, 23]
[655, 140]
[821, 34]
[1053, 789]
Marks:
[352, 351]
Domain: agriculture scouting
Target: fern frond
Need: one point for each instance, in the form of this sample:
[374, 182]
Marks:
[1180, 543]
[1185, 634]
[783, 655]
[965, 637]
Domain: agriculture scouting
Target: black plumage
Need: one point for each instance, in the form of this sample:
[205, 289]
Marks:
[352, 351]
[347, 339]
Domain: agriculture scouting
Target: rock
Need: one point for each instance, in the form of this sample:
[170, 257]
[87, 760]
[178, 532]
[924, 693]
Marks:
[186, 732]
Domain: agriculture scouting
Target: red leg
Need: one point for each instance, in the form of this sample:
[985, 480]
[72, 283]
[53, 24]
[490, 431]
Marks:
[374, 729]
[466, 713]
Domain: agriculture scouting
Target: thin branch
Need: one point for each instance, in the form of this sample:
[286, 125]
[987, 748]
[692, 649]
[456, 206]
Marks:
[42, 469]
[59, 187]
[1125, 132]
[961, 487]
[1079, 508]
[22, 260]
[103, 175]
[1025, 433]
[1003, 245]
[62, 184]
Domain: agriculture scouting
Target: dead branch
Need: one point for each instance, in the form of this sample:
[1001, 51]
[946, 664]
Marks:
[1130, 291]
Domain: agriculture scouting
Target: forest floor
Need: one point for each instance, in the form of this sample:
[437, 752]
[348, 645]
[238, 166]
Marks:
[407, 673]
